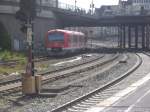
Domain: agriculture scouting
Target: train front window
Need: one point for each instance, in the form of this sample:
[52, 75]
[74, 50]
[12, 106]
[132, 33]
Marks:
[56, 37]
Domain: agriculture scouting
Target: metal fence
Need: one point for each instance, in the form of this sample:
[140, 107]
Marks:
[51, 4]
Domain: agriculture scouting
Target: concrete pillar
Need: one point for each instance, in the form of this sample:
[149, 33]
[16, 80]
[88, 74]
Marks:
[28, 84]
[136, 36]
[38, 83]
[129, 36]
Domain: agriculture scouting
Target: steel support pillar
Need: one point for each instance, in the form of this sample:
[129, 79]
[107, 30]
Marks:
[129, 36]
[143, 36]
[121, 37]
[124, 36]
[118, 36]
[136, 36]
[147, 36]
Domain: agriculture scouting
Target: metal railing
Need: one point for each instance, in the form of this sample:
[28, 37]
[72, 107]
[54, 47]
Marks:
[50, 3]
[64, 6]
[72, 8]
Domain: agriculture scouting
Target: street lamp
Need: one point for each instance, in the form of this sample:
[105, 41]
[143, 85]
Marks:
[56, 3]
[75, 5]
[92, 7]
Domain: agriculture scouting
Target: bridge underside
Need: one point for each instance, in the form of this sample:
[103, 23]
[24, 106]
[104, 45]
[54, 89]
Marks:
[133, 31]
[134, 36]
[69, 19]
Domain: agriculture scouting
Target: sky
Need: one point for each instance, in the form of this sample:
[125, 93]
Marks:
[86, 3]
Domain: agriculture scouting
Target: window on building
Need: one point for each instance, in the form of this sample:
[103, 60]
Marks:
[142, 1]
[136, 1]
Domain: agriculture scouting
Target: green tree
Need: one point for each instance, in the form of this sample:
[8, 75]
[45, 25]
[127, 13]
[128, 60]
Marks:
[5, 40]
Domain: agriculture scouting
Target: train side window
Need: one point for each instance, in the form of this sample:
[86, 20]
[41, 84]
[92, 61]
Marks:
[71, 40]
[77, 39]
[74, 40]
[81, 40]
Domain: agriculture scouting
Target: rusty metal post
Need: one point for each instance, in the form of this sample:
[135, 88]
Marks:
[28, 79]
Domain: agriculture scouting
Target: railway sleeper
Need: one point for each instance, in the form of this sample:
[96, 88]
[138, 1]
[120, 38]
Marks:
[56, 89]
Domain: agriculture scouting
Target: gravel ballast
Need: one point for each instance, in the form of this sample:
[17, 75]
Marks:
[43, 104]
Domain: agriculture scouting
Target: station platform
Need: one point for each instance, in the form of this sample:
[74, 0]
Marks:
[135, 98]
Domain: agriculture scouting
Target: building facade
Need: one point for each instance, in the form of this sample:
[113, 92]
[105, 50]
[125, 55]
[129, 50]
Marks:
[134, 7]
[141, 3]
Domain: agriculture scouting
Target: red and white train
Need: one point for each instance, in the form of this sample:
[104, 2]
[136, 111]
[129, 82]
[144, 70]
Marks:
[63, 41]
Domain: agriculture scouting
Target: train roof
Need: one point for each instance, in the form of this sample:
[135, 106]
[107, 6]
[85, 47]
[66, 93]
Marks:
[66, 31]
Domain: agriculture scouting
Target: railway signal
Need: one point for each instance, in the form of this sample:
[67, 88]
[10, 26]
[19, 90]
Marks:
[26, 15]
[27, 10]
[92, 7]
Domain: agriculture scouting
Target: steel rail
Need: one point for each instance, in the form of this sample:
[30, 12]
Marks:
[47, 78]
[96, 91]
[62, 74]
[18, 78]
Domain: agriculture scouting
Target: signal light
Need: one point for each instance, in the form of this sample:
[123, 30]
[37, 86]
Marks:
[23, 28]
[27, 10]
[21, 16]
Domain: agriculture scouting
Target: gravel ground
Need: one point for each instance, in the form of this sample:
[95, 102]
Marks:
[49, 64]
[83, 74]
[18, 103]
[84, 58]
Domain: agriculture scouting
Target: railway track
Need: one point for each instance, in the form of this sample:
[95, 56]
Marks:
[14, 79]
[84, 102]
[62, 73]
[17, 61]
[147, 53]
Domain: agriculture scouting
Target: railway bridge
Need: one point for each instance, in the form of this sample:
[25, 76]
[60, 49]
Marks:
[133, 31]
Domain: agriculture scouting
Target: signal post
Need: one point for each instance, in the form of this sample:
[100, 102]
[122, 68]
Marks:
[31, 83]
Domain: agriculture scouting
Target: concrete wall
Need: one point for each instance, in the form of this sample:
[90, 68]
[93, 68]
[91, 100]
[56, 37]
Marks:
[42, 25]
[44, 21]
[13, 28]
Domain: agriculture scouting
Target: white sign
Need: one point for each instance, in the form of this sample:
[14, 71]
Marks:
[29, 35]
